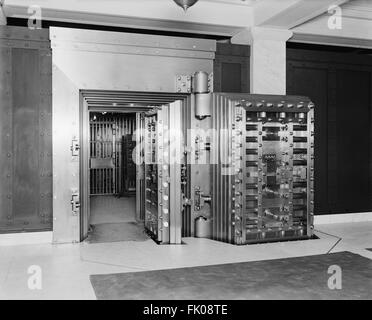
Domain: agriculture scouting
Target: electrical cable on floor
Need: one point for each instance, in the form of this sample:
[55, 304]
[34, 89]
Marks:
[112, 265]
[331, 235]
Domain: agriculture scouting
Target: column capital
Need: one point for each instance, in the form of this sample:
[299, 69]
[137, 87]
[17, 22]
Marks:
[250, 35]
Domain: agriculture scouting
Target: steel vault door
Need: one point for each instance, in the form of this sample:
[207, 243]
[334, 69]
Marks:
[263, 168]
[163, 156]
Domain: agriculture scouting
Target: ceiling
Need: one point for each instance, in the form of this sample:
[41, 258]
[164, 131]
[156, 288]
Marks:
[355, 31]
[307, 18]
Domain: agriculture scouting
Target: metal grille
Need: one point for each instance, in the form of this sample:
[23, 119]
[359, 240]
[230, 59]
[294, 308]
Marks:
[129, 166]
[106, 161]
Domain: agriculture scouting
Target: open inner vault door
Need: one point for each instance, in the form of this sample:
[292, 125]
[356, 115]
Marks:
[163, 159]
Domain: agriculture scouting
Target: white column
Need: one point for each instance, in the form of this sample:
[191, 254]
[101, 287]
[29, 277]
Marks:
[268, 58]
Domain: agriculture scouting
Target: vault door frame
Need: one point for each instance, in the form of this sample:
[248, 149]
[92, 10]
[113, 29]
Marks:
[105, 100]
[84, 182]
[85, 168]
[84, 147]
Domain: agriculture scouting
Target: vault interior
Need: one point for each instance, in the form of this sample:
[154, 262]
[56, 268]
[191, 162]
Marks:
[111, 183]
[112, 171]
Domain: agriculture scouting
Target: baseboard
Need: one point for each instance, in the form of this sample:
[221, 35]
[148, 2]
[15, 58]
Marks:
[16, 239]
[343, 218]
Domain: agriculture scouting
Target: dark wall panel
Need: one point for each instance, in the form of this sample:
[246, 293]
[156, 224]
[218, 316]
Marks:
[25, 128]
[353, 140]
[312, 82]
[340, 85]
[232, 77]
[231, 68]
[26, 90]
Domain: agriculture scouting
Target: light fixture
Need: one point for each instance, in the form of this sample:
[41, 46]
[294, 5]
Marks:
[185, 4]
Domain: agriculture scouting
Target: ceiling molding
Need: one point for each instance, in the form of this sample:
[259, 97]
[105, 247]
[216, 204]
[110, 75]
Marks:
[358, 5]
[208, 12]
[244, 3]
[126, 22]
[300, 13]
[331, 41]
[249, 36]
[357, 13]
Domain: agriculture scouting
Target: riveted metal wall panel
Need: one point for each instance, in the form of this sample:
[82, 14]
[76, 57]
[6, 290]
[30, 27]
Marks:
[25, 85]
[6, 212]
[45, 139]
[25, 125]
[40, 37]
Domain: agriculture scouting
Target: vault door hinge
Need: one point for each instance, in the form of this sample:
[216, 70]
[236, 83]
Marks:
[75, 148]
[75, 203]
[183, 83]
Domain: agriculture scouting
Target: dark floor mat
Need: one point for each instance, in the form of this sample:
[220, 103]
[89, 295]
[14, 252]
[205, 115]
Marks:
[115, 232]
[291, 278]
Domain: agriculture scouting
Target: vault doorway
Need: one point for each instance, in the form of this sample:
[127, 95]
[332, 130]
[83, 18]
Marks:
[112, 170]
[112, 177]
[114, 184]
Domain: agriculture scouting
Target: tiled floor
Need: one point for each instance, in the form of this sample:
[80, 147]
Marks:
[66, 268]
[110, 209]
